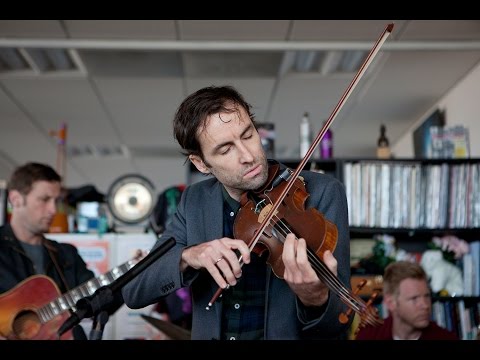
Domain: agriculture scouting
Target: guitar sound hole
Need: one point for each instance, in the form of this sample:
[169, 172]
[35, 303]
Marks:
[26, 325]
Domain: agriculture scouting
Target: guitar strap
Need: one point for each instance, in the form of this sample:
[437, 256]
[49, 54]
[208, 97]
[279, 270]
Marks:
[55, 262]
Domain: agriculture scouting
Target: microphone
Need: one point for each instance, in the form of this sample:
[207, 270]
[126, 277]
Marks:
[88, 307]
[104, 296]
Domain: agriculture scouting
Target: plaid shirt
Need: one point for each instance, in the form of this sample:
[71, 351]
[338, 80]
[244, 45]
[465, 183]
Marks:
[243, 304]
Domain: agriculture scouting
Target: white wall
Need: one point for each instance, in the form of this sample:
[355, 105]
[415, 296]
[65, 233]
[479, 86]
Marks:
[462, 107]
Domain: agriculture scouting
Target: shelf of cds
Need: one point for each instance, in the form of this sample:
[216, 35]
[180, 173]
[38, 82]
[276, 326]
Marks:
[413, 195]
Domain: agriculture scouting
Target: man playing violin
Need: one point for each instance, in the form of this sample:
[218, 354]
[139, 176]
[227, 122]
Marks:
[216, 130]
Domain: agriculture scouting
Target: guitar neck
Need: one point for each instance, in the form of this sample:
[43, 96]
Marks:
[68, 300]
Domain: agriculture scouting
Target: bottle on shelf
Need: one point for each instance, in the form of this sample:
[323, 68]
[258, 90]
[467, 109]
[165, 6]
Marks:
[326, 145]
[383, 145]
[305, 134]
[102, 225]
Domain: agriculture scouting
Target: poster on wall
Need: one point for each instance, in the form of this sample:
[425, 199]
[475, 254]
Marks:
[127, 245]
[422, 139]
[95, 253]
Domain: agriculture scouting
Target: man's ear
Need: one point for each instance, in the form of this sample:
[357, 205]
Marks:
[15, 198]
[199, 164]
[389, 301]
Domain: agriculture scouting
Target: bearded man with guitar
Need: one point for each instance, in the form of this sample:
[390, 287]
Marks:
[33, 191]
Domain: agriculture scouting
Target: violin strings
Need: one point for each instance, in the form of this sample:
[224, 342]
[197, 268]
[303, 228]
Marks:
[330, 279]
[317, 264]
[325, 272]
[334, 283]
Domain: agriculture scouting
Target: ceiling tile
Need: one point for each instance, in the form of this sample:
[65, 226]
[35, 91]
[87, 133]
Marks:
[32, 29]
[52, 101]
[124, 29]
[442, 30]
[143, 109]
[339, 30]
[233, 29]
[132, 63]
[232, 64]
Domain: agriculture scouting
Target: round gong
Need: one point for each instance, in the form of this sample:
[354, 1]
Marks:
[131, 198]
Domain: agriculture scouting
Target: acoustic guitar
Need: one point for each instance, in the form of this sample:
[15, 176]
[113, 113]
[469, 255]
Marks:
[35, 309]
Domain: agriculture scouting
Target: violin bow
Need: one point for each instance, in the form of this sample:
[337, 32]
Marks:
[361, 71]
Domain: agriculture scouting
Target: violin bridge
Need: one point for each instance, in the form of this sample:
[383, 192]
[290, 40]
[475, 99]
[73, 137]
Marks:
[264, 212]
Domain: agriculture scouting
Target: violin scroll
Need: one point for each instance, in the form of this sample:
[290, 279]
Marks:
[368, 314]
[343, 317]
[372, 318]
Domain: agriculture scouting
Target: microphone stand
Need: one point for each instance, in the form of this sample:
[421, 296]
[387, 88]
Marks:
[101, 299]
[98, 325]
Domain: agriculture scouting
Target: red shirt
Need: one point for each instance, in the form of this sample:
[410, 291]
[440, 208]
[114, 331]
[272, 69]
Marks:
[384, 332]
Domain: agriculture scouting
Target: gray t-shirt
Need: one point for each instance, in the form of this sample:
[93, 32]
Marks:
[35, 253]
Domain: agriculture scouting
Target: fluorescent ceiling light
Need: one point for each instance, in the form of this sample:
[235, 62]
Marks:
[329, 62]
[306, 61]
[11, 60]
[352, 60]
[36, 59]
[51, 59]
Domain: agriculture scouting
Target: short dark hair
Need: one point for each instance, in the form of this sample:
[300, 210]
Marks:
[398, 271]
[194, 110]
[24, 176]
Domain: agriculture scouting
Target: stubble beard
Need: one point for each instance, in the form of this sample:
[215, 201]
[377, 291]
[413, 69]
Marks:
[238, 181]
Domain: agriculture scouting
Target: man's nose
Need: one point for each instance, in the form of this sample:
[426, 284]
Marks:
[425, 302]
[245, 153]
[52, 209]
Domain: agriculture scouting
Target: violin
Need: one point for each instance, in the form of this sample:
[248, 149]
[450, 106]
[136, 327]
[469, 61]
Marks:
[277, 209]
[292, 217]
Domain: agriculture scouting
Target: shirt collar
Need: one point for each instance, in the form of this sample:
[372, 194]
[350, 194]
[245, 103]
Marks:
[234, 204]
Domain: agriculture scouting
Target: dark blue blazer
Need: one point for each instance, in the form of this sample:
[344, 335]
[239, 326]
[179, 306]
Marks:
[199, 218]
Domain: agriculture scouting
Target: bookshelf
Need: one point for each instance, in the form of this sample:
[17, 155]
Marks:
[458, 314]
[414, 200]
[410, 194]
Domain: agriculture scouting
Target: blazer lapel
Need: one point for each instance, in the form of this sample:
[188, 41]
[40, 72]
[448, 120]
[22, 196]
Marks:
[214, 214]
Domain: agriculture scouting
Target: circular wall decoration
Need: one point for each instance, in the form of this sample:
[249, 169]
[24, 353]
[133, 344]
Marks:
[131, 198]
